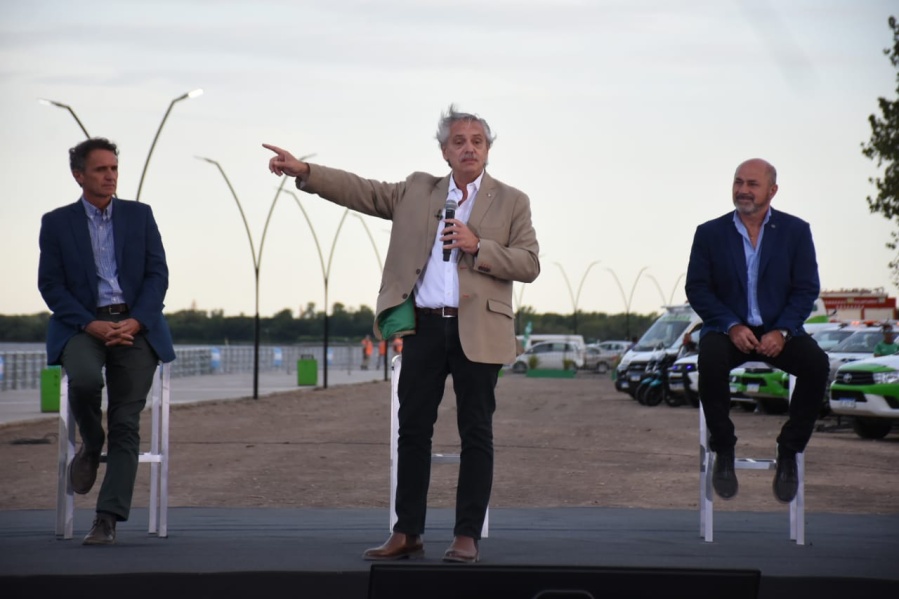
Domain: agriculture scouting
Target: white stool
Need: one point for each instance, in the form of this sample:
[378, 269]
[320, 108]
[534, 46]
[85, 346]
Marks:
[157, 457]
[437, 458]
[707, 493]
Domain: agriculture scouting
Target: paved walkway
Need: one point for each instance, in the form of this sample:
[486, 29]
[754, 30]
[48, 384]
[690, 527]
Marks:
[23, 405]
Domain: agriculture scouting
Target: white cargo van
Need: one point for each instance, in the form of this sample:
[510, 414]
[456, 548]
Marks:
[665, 336]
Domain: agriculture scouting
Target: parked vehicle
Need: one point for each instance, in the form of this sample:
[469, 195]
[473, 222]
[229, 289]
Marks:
[857, 346]
[665, 335]
[602, 356]
[653, 389]
[868, 391]
[550, 355]
[683, 379]
[530, 340]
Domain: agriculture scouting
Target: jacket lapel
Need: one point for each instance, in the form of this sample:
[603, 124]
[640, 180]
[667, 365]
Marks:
[771, 239]
[118, 233]
[737, 255]
[85, 252]
[486, 195]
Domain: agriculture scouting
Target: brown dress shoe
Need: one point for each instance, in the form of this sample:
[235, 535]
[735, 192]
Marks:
[397, 546]
[102, 532]
[83, 470]
[459, 551]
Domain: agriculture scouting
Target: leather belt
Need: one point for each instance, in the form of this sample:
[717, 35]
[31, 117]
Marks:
[445, 312]
[113, 309]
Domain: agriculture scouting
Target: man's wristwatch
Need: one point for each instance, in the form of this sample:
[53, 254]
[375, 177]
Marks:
[786, 334]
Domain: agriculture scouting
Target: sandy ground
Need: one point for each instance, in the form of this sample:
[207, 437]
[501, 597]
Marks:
[559, 442]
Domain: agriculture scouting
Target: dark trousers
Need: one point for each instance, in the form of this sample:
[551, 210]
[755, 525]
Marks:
[801, 356]
[429, 355]
[129, 376]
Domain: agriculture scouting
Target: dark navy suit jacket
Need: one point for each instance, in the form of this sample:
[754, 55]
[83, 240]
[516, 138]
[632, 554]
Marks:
[67, 273]
[787, 280]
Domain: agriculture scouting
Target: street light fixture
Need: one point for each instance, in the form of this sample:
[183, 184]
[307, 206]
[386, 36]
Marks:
[658, 287]
[66, 107]
[190, 94]
[257, 259]
[326, 271]
[627, 300]
[575, 298]
[674, 287]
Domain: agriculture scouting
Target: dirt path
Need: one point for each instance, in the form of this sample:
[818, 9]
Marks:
[558, 442]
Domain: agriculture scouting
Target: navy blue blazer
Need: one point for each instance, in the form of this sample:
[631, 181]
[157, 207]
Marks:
[67, 273]
[787, 281]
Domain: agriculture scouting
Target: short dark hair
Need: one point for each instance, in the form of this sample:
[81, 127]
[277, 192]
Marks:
[78, 154]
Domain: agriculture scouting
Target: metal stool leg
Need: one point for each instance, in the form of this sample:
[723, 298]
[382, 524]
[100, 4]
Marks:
[157, 457]
[65, 496]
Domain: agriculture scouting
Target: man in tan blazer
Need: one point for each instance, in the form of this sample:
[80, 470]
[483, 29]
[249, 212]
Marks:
[464, 323]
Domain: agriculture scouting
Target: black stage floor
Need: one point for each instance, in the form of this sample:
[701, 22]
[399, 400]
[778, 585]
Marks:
[312, 553]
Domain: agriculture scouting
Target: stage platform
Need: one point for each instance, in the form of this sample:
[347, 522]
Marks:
[315, 553]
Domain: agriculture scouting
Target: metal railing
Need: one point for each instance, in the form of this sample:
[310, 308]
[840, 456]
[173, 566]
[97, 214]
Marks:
[22, 369]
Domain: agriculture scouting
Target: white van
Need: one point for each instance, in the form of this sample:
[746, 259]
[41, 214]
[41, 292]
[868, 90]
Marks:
[665, 336]
[561, 338]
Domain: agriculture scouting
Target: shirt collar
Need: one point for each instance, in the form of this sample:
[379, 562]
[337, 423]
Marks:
[473, 187]
[739, 223]
[94, 212]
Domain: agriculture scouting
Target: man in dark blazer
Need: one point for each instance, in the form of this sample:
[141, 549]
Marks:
[753, 279]
[459, 271]
[103, 274]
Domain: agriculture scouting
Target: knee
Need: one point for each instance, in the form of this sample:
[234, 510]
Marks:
[85, 385]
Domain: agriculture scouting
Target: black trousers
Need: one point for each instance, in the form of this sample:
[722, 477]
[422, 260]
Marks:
[429, 356]
[129, 376]
[801, 357]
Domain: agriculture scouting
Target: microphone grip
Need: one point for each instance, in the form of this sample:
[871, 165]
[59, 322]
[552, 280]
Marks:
[450, 213]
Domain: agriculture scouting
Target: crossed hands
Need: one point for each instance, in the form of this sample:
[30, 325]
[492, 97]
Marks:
[770, 345]
[114, 333]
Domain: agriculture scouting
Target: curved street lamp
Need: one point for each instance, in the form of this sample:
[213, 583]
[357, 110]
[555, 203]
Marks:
[575, 298]
[674, 287]
[326, 271]
[66, 107]
[190, 94]
[627, 300]
[257, 259]
[658, 287]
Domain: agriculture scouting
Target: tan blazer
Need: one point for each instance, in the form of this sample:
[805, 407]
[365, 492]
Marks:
[501, 218]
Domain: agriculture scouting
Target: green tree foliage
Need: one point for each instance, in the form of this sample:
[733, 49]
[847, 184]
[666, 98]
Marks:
[883, 148]
[214, 328]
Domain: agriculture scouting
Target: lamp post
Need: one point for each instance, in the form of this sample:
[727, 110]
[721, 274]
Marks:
[190, 94]
[380, 269]
[326, 271]
[658, 287]
[629, 299]
[575, 298]
[674, 287]
[66, 107]
[257, 260]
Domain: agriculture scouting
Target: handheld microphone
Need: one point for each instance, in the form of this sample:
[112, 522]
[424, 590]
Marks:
[449, 212]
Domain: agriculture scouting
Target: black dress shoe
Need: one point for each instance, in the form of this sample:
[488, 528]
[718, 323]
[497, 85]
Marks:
[786, 478]
[83, 470]
[102, 532]
[724, 477]
[397, 546]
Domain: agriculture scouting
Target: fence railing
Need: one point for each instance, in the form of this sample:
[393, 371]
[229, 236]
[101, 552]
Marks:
[22, 369]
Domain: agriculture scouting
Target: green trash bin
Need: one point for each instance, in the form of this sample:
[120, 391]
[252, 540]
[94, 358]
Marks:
[307, 371]
[51, 378]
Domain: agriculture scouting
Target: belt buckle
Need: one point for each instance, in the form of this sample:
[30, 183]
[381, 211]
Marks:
[115, 310]
[444, 314]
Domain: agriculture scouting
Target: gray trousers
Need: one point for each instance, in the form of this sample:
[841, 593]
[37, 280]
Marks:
[129, 376]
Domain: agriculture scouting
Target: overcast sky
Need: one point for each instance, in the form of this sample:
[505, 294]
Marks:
[623, 120]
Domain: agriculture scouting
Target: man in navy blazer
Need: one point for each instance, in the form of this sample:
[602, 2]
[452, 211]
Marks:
[103, 274]
[753, 279]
